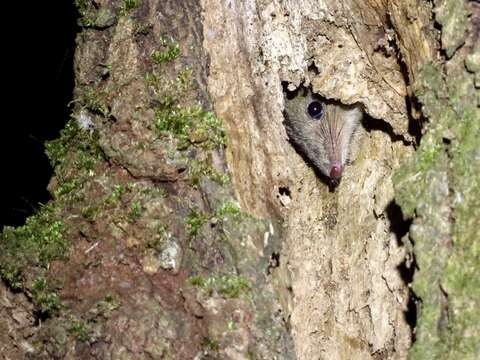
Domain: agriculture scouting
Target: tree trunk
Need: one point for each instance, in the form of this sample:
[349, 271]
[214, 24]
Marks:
[175, 235]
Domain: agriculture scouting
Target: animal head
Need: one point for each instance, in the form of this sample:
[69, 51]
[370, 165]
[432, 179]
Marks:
[322, 130]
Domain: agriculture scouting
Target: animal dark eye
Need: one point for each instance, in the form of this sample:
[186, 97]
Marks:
[315, 110]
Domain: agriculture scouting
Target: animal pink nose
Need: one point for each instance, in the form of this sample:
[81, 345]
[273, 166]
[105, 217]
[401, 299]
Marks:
[336, 171]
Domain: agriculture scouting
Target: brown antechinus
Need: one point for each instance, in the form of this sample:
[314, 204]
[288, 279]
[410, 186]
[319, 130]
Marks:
[326, 132]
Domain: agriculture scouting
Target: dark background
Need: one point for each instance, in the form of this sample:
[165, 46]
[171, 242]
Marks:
[38, 49]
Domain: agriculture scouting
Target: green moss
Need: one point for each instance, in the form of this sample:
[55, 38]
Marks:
[232, 325]
[87, 12]
[116, 195]
[226, 285]
[233, 286]
[199, 169]
[184, 79]
[11, 274]
[174, 120]
[75, 145]
[194, 222]
[135, 211]
[44, 299]
[231, 210]
[92, 16]
[90, 213]
[66, 187]
[153, 80]
[126, 200]
[170, 50]
[37, 243]
[81, 331]
[42, 239]
[74, 156]
[190, 125]
[101, 17]
[57, 149]
[154, 191]
[128, 6]
[95, 101]
[210, 346]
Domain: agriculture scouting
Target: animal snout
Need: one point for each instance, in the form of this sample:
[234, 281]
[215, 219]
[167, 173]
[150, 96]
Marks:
[336, 171]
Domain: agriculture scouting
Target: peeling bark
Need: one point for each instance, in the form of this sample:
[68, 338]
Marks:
[339, 248]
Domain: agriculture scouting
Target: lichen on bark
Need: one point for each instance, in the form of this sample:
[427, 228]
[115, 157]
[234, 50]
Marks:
[440, 188]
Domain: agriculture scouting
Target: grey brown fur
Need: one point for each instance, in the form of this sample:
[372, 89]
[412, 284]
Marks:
[328, 142]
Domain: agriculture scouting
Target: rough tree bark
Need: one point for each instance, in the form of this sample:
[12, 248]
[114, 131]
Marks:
[145, 252]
